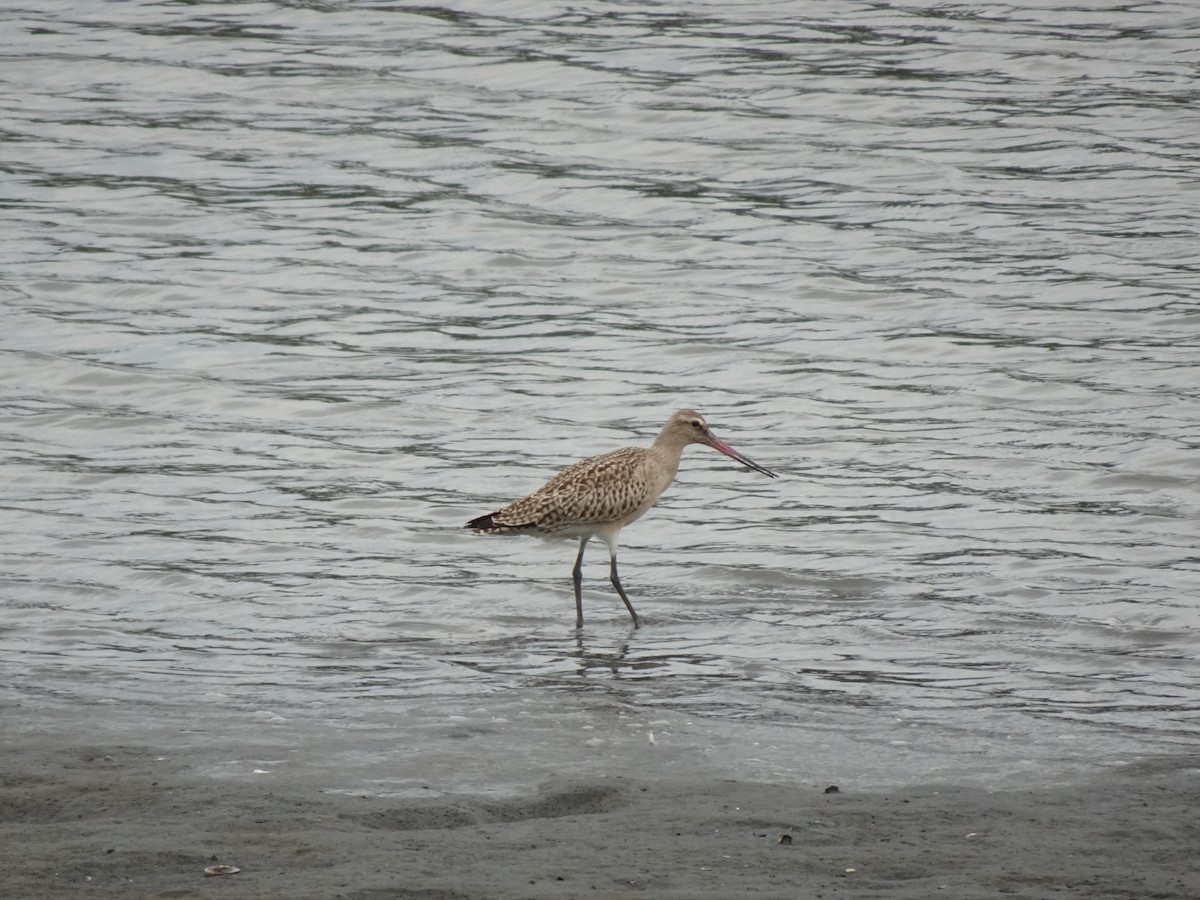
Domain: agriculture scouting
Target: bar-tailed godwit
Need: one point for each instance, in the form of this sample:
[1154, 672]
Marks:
[598, 496]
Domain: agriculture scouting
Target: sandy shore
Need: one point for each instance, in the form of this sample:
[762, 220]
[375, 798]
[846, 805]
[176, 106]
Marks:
[121, 821]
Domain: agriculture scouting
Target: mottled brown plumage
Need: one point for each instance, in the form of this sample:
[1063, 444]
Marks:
[598, 496]
[593, 491]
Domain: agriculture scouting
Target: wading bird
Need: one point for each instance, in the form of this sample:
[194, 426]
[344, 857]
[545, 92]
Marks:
[600, 495]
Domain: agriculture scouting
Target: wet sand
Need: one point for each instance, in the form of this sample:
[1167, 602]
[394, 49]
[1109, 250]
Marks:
[113, 819]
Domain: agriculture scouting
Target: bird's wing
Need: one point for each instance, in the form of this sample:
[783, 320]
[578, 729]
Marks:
[599, 489]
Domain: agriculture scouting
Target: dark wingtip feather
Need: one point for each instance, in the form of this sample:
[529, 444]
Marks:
[489, 525]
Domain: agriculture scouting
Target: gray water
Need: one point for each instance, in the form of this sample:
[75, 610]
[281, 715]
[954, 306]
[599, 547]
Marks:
[291, 291]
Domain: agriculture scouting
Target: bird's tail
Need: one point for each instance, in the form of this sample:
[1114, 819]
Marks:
[489, 525]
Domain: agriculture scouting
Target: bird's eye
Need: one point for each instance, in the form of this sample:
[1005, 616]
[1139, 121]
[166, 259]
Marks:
[696, 423]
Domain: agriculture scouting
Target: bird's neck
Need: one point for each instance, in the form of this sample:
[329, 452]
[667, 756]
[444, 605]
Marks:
[666, 451]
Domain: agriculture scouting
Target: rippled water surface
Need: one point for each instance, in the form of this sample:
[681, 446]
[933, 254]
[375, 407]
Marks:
[291, 291]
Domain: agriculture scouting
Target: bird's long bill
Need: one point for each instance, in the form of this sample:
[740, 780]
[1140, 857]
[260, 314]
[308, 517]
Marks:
[718, 444]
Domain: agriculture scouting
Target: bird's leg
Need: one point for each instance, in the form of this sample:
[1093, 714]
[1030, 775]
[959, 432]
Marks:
[577, 575]
[616, 582]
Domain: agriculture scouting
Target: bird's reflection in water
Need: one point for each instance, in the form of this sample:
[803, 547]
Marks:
[584, 660]
[624, 661]
[609, 662]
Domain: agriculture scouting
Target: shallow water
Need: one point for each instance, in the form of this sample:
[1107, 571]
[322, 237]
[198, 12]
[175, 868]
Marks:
[291, 292]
